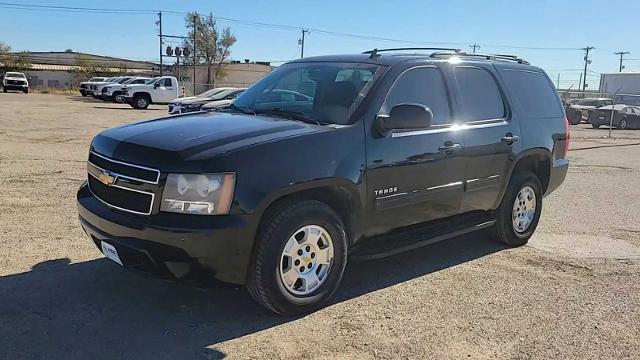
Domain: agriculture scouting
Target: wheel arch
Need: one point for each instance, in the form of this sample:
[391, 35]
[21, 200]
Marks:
[341, 195]
[536, 160]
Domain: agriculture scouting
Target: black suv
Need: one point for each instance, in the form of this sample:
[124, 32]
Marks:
[370, 155]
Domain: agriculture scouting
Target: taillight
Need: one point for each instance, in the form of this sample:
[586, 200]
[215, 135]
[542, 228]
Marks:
[567, 136]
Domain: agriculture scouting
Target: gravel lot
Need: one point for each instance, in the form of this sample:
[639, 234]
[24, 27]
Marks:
[574, 292]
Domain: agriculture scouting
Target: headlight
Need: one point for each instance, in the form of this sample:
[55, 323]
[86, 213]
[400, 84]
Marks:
[206, 194]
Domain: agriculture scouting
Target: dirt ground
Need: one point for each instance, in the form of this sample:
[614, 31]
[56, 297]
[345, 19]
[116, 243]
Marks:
[573, 292]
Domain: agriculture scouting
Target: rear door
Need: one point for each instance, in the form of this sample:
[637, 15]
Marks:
[416, 176]
[491, 136]
[166, 92]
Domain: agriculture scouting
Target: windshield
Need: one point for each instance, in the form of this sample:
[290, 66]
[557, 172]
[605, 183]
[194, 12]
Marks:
[16, 75]
[210, 93]
[124, 80]
[325, 93]
[96, 79]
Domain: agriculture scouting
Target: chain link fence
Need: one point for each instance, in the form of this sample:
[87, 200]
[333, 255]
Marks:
[614, 110]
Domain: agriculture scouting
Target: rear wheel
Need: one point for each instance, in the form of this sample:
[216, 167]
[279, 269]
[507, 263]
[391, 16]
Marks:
[575, 117]
[519, 212]
[140, 102]
[300, 257]
[595, 126]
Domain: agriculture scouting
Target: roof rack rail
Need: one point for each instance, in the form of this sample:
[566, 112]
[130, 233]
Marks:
[485, 56]
[374, 53]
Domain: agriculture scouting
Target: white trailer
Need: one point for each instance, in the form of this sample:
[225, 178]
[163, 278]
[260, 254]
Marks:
[623, 87]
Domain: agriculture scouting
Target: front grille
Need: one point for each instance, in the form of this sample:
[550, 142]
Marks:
[135, 172]
[121, 198]
[15, 82]
[83, 86]
[122, 185]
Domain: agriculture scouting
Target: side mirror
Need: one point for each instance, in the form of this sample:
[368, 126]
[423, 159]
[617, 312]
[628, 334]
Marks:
[156, 85]
[405, 117]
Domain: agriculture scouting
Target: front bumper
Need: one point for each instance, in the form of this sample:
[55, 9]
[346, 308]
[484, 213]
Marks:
[16, 87]
[171, 245]
[557, 175]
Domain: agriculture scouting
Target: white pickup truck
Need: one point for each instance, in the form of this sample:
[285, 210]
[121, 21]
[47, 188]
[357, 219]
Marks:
[161, 91]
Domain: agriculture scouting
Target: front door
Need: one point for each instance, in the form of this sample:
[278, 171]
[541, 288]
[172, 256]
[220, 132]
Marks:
[416, 176]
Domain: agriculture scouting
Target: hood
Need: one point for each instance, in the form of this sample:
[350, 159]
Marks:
[168, 142]
[182, 100]
[583, 107]
[217, 104]
[15, 78]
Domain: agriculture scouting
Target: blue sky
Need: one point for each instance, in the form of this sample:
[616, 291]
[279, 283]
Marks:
[608, 25]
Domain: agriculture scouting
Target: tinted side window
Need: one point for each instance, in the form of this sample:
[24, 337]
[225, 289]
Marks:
[422, 86]
[480, 98]
[534, 93]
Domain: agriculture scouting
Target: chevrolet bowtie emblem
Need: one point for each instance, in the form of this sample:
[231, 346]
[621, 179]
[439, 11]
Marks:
[106, 178]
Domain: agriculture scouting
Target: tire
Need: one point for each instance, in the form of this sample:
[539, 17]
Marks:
[140, 102]
[575, 117]
[4, 89]
[26, 91]
[115, 94]
[280, 227]
[505, 228]
[84, 94]
[622, 124]
[595, 126]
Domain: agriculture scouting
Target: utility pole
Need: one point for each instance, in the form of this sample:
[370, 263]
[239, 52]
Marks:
[301, 42]
[474, 47]
[195, 37]
[622, 54]
[586, 63]
[160, 23]
[558, 83]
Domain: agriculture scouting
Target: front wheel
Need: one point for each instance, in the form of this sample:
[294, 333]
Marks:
[595, 126]
[26, 91]
[622, 125]
[300, 257]
[519, 212]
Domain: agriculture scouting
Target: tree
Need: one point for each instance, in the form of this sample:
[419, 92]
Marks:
[213, 47]
[13, 61]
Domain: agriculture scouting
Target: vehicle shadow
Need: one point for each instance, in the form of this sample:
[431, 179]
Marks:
[128, 108]
[97, 310]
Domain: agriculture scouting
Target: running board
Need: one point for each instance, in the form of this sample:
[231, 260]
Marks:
[415, 244]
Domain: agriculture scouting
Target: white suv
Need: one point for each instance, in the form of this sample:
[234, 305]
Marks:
[15, 81]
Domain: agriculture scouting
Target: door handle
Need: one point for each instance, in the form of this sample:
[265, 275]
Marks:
[509, 138]
[449, 147]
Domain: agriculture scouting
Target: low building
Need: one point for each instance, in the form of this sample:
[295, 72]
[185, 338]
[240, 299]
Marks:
[66, 69]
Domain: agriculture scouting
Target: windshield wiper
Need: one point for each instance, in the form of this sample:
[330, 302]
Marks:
[288, 114]
[241, 109]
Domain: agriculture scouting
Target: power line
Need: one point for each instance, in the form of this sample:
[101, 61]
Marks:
[270, 25]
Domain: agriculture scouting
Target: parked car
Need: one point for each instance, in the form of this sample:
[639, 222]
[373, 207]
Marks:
[15, 81]
[382, 160]
[217, 99]
[119, 81]
[160, 91]
[579, 111]
[85, 86]
[111, 91]
[94, 86]
[625, 116]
